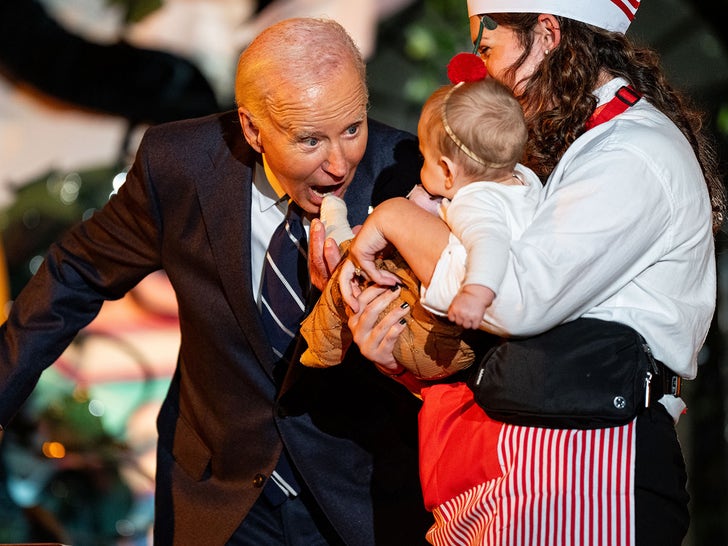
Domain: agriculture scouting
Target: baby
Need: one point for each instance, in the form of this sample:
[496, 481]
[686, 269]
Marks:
[471, 135]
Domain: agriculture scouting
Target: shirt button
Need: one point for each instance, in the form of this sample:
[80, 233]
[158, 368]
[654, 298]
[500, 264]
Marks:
[259, 480]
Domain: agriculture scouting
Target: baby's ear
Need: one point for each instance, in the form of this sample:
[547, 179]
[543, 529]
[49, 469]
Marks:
[449, 171]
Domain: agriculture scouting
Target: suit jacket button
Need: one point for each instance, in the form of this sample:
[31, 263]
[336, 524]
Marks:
[259, 480]
[282, 412]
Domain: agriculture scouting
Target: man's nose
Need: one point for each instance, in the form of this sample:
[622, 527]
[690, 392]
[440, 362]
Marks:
[336, 164]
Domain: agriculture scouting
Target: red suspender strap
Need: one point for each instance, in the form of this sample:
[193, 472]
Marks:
[623, 99]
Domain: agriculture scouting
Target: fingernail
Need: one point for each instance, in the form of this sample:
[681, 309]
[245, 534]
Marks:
[403, 321]
[394, 288]
[405, 305]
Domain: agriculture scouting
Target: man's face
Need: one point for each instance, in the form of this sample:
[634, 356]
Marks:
[315, 136]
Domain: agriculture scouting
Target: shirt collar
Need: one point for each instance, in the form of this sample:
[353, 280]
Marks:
[267, 195]
[606, 92]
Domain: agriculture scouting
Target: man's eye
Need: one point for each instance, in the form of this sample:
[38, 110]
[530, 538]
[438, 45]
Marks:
[354, 129]
[311, 141]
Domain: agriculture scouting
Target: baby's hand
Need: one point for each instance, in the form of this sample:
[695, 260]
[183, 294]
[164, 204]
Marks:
[469, 305]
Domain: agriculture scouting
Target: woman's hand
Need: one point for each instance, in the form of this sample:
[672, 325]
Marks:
[349, 285]
[419, 236]
[367, 244]
[370, 240]
[375, 338]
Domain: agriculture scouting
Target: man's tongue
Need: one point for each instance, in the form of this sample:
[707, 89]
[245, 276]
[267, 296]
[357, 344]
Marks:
[325, 190]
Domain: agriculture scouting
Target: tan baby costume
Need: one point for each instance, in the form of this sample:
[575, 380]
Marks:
[430, 347]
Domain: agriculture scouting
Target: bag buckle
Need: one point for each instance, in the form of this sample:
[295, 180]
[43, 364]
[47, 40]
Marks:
[628, 95]
[675, 387]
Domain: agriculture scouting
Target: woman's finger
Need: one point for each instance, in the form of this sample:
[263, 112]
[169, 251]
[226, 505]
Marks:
[349, 286]
[376, 336]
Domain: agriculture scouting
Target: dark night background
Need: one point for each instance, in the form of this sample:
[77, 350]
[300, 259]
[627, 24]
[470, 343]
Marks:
[413, 47]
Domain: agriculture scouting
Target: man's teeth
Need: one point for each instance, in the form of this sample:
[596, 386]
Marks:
[323, 190]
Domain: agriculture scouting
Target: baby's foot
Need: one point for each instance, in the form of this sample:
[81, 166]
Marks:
[333, 216]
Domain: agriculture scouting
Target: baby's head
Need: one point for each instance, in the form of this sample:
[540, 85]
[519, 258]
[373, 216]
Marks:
[478, 125]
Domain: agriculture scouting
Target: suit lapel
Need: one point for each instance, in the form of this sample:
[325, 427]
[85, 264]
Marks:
[225, 206]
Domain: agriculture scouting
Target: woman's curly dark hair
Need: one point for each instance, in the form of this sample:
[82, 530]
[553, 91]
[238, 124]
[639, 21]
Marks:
[558, 98]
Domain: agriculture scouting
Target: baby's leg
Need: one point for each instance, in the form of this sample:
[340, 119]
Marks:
[333, 216]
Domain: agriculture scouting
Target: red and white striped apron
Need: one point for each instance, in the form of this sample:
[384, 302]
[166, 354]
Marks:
[488, 483]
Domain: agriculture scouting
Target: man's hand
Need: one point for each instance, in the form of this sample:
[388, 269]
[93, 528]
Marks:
[323, 255]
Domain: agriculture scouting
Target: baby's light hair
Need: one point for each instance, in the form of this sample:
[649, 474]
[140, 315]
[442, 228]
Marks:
[478, 124]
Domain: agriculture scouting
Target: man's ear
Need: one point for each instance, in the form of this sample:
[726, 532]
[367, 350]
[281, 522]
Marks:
[251, 132]
[550, 31]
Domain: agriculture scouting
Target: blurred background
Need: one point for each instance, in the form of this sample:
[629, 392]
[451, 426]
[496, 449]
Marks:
[80, 80]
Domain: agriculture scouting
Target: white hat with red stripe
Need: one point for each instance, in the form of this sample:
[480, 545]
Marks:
[614, 15]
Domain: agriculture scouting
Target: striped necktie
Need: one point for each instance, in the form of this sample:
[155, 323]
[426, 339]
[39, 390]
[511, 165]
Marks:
[285, 286]
[285, 282]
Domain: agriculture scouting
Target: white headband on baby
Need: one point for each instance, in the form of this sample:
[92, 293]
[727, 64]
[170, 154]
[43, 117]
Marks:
[613, 15]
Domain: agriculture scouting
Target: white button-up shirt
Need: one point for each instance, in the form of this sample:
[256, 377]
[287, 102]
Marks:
[267, 210]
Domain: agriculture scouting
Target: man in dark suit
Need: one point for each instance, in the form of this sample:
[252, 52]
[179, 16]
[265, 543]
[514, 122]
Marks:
[201, 202]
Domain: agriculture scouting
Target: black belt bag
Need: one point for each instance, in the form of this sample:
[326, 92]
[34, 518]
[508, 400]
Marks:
[584, 374]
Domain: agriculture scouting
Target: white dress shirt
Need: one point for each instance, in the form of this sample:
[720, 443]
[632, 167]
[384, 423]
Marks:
[267, 211]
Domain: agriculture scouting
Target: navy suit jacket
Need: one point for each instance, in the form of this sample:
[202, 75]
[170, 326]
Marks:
[185, 208]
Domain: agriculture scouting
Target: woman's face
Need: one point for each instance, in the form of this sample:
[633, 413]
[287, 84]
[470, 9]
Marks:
[500, 48]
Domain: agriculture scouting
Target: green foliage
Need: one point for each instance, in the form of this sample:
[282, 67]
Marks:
[722, 120]
[413, 49]
[431, 40]
[45, 208]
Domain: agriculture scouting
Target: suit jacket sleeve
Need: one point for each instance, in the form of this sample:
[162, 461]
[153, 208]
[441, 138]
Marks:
[97, 260]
